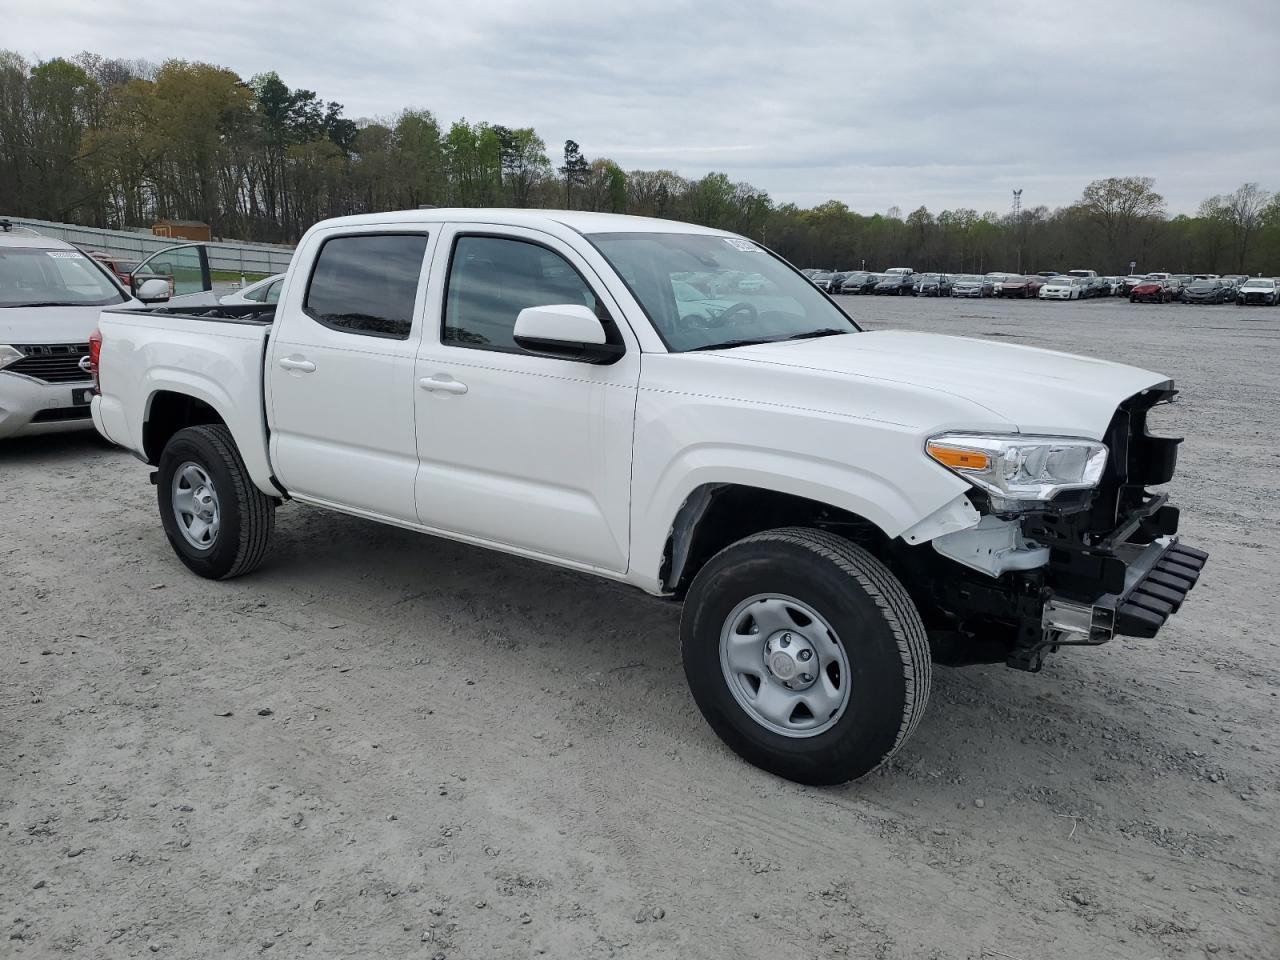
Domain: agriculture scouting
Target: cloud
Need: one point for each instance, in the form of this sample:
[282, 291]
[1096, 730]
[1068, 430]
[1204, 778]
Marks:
[872, 104]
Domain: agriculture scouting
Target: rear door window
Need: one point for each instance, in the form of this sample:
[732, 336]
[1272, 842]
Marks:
[367, 284]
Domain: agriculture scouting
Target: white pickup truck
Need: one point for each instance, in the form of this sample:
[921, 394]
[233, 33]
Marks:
[676, 408]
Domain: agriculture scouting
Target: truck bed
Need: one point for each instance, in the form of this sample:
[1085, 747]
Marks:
[237, 313]
[211, 354]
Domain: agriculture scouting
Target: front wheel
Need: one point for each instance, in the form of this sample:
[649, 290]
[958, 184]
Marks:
[805, 655]
[217, 521]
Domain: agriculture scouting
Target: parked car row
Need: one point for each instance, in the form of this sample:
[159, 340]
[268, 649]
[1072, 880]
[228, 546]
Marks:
[1156, 287]
[1240, 290]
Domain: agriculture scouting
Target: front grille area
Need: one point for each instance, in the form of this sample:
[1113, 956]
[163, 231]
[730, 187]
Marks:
[1083, 540]
[62, 414]
[51, 362]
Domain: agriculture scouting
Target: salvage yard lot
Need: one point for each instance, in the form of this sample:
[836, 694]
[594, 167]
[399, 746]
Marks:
[386, 745]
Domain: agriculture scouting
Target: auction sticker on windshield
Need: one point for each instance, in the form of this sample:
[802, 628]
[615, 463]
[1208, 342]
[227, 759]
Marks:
[746, 246]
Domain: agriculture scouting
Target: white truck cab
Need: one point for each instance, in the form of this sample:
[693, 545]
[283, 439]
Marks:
[835, 508]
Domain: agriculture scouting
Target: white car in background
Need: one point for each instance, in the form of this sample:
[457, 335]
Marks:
[264, 291]
[997, 278]
[1061, 288]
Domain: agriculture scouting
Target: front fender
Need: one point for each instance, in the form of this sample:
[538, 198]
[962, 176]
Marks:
[894, 503]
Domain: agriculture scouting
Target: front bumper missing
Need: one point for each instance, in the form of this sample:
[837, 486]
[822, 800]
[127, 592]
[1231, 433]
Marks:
[1157, 580]
[1154, 591]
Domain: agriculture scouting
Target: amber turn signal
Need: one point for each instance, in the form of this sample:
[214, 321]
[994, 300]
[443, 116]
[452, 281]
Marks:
[958, 459]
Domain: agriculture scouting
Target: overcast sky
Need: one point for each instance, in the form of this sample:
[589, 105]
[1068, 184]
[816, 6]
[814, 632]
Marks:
[876, 104]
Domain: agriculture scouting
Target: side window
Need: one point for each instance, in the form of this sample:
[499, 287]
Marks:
[273, 292]
[257, 296]
[367, 283]
[491, 279]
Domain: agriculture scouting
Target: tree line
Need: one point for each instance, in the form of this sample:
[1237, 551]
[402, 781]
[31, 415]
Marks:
[115, 143]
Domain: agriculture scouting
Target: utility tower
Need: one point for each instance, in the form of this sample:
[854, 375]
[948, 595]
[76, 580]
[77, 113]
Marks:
[1017, 223]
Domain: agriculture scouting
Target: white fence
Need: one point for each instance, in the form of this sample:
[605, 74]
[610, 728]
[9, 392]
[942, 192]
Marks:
[246, 258]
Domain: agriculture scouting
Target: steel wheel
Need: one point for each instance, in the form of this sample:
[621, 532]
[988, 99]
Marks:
[195, 505]
[784, 665]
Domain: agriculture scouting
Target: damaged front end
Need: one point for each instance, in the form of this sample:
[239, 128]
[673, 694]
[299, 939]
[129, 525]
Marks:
[1076, 569]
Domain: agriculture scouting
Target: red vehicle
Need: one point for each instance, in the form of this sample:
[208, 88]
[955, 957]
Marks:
[1151, 291]
[1020, 287]
[122, 269]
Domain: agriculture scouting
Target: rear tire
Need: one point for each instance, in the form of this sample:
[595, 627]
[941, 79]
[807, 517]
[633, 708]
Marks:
[217, 521]
[863, 631]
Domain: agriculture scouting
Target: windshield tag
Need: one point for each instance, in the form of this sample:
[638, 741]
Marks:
[63, 255]
[746, 246]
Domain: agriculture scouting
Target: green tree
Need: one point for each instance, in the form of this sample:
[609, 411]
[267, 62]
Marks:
[1125, 210]
[575, 170]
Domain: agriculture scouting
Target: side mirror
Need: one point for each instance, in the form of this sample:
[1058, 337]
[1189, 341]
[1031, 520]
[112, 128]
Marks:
[569, 331]
[155, 290]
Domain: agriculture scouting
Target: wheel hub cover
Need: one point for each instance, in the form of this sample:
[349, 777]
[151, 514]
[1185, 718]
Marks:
[789, 657]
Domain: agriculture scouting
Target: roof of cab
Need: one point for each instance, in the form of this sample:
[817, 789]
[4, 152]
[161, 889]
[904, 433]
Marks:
[580, 220]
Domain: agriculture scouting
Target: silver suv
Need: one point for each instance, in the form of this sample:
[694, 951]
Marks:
[50, 297]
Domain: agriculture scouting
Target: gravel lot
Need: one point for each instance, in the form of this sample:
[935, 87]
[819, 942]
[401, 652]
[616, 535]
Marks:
[384, 745]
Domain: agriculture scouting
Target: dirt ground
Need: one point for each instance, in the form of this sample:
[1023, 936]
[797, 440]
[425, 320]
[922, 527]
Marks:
[385, 745]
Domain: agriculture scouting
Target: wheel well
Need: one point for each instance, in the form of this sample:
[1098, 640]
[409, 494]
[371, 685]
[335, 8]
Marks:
[716, 515]
[171, 412]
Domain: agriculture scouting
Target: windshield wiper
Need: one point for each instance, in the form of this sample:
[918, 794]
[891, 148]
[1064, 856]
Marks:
[728, 344]
[43, 303]
[808, 334]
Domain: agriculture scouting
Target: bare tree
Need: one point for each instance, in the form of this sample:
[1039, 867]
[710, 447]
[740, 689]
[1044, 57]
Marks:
[1242, 211]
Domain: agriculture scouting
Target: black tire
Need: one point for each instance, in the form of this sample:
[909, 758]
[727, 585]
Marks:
[869, 611]
[246, 514]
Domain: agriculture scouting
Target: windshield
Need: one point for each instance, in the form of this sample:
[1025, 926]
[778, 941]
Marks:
[1203, 285]
[776, 304]
[35, 276]
[1255, 284]
[1063, 281]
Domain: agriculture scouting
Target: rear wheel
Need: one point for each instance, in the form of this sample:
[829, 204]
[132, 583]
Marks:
[217, 521]
[805, 655]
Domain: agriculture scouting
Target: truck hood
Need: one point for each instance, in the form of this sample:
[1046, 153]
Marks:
[1038, 391]
[51, 324]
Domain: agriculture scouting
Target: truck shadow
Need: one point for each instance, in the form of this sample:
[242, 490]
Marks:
[613, 654]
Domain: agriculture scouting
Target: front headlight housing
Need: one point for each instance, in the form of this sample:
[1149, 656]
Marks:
[1020, 471]
[9, 355]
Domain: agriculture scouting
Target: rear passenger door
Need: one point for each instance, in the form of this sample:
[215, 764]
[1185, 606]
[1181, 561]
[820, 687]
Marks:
[527, 451]
[340, 372]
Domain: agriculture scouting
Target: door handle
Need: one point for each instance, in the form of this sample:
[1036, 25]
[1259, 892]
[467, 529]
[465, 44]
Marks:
[438, 385]
[304, 366]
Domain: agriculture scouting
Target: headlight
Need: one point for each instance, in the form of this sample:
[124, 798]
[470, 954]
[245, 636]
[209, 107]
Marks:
[1015, 469]
[9, 355]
